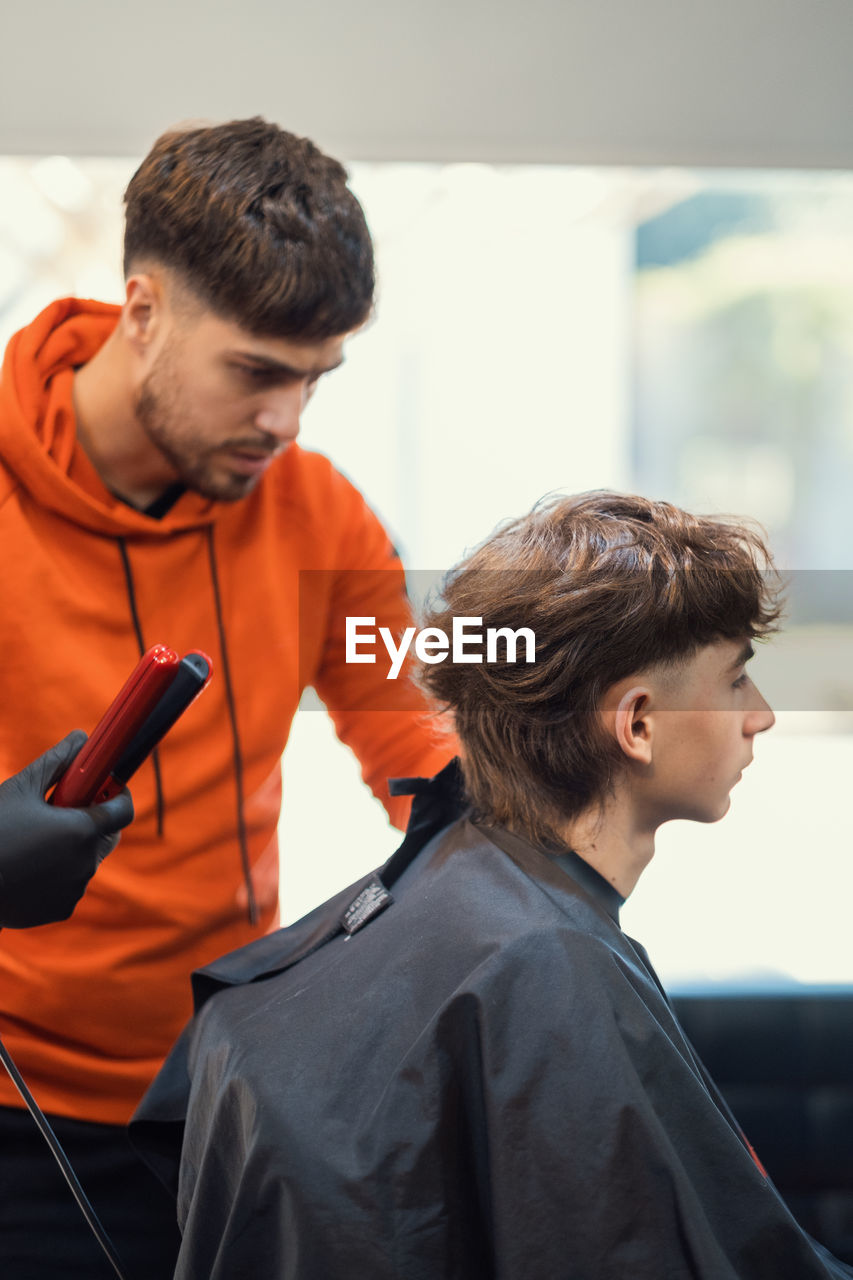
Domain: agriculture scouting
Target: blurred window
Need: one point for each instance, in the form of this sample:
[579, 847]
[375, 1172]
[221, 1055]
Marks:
[685, 334]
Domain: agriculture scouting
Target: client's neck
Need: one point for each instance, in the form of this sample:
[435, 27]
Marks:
[613, 839]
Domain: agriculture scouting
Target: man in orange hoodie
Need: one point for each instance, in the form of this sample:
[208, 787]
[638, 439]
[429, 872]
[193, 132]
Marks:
[151, 490]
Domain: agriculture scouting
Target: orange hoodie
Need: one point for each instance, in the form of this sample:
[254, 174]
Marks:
[90, 1006]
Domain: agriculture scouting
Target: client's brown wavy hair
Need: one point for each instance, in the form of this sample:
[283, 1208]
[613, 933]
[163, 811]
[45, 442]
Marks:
[610, 584]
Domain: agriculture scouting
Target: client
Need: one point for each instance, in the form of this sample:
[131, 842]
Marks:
[462, 1067]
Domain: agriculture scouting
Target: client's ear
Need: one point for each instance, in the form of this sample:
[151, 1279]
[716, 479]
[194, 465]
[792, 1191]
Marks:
[632, 724]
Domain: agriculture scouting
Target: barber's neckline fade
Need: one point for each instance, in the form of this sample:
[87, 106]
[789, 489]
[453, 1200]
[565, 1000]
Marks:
[259, 223]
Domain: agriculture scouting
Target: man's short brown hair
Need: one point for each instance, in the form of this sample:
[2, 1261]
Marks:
[259, 224]
[611, 585]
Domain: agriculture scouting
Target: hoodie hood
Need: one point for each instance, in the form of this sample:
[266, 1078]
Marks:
[38, 431]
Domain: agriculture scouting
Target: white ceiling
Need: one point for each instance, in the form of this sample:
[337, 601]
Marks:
[717, 82]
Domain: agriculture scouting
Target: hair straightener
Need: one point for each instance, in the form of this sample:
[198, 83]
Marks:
[157, 691]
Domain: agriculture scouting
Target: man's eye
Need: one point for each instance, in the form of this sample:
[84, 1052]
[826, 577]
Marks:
[741, 681]
[255, 373]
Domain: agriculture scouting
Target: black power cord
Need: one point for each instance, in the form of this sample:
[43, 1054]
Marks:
[64, 1164]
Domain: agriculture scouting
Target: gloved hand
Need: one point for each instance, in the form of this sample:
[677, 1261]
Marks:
[48, 855]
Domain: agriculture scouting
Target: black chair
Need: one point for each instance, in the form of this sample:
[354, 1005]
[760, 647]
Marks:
[784, 1062]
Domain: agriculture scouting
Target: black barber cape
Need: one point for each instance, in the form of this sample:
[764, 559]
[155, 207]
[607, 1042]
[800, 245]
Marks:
[474, 1075]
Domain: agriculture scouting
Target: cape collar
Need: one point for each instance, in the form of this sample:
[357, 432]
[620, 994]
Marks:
[592, 883]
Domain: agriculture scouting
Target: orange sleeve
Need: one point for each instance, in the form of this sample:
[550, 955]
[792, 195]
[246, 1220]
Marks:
[388, 723]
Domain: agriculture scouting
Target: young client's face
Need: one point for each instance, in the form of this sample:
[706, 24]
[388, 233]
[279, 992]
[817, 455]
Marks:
[708, 713]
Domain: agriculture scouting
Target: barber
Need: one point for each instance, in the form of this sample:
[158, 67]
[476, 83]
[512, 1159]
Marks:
[48, 855]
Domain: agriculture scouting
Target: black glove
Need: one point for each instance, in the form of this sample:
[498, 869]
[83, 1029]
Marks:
[48, 855]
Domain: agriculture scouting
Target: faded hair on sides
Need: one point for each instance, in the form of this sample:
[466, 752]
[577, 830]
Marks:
[611, 584]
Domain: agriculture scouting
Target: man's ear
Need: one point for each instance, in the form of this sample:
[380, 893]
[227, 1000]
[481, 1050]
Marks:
[632, 724]
[144, 312]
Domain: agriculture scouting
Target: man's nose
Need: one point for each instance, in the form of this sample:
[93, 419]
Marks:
[760, 718]
[280, 413]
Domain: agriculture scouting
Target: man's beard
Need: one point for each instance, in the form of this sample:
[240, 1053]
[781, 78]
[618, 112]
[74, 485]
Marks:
[172, 429]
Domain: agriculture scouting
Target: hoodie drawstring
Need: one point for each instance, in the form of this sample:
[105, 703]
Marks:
[254, 914]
